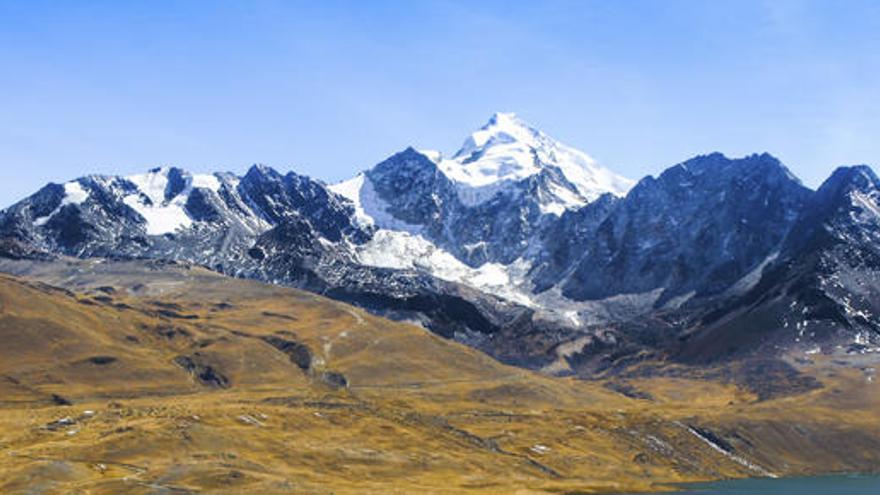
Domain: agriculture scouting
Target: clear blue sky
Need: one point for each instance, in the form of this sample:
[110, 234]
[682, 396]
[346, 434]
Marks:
[329, 88]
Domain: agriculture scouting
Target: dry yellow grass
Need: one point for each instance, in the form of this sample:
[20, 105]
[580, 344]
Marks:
[420, 414]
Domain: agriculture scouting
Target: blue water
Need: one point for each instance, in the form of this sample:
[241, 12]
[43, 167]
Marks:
[823, 485]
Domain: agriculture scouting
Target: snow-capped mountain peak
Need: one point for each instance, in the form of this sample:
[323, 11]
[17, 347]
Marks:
[508, 149]
[503, 128]
[507, 170]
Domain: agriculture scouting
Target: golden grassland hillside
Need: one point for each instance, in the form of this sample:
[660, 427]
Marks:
[150, 378]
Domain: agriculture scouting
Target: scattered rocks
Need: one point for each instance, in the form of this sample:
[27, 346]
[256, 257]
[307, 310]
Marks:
[628, 390]
[63, 423]
[60, 401]
[298, 353]
[172, 333]
[201, 371]
[539, 449]
[232, 477]
[102, 360]
[334, 379]
[250, 420]
[70, 423]
[281, 316]
[167, 313]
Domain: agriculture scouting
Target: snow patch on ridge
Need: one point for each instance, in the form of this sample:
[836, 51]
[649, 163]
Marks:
[74, 194]
[730, 455]
[162, 217]
[351, 190]
[406, 251]
[206, 181]
[370, 209]
[151, 184]
[433, 155]
[166, 216]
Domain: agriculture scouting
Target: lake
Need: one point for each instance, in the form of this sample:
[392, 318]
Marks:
[822, 485]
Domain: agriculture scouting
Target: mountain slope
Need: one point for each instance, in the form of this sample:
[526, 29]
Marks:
[148, 376]
[409, 245]
[696, 229]
[822, 294]
[283, 228]
[517, 245]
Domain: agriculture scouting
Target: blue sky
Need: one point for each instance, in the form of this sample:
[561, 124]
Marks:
[330, 88]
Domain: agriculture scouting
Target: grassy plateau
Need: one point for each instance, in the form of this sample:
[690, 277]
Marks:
[136, 377]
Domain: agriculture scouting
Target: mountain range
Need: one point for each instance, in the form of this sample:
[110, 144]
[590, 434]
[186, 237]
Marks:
[517, 245]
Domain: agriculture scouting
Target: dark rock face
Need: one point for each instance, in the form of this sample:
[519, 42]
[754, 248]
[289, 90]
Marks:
[206, 374]
[176, 183]
[45, 201]
[822, 292]
[277, 198]
[204, 207]
[416, 191]
[567, 241]
[334, 379]
[298, 353]
[95, 226]
[699, 227]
